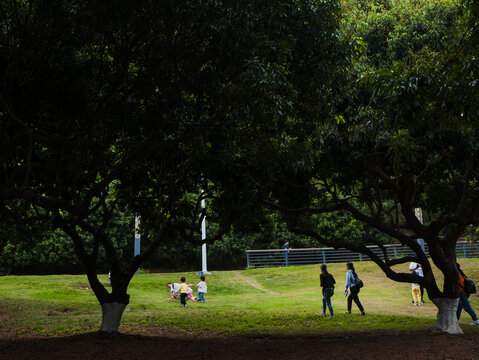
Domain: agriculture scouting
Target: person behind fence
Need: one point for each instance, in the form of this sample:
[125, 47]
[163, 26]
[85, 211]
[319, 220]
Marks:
[417, 269]
[183, 290]
[464, 298]
[285, 252]
[327, 283]
[351, 282]
[202, 289]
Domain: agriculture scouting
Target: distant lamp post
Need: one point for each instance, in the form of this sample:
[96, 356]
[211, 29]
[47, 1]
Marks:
[137, 244]
[204, 267]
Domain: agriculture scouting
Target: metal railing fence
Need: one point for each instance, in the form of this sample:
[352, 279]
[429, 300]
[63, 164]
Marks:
[294, 257]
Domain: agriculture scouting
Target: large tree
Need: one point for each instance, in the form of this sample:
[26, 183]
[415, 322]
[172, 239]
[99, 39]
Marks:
[400, 134]
[413, 144]
[120, 105]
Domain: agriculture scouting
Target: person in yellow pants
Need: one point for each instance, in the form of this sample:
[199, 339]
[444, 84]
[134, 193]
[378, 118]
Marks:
[416, 294]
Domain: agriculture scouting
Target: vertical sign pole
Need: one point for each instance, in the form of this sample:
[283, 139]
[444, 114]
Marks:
[137, 239]
[204, 267]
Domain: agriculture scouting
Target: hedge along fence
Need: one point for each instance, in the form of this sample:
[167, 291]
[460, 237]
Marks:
[295, 257]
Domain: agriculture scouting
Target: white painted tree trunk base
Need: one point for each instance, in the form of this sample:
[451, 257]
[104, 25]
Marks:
[111, 316]
[446, 316]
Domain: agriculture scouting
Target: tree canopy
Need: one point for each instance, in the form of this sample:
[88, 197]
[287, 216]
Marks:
[108, 107]
[320, 112]
[398, 133]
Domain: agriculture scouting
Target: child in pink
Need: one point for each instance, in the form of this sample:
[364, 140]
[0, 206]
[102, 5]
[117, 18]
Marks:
[174, 293]
[189, 295]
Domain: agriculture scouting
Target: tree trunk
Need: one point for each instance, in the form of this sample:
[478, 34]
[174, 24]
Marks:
[446, 316]
[111, 316]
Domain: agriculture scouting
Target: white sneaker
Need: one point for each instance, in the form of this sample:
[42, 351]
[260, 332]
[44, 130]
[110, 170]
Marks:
[421, 303]
[323, 314]
[415, 304]
[475, 322]
[331, 317]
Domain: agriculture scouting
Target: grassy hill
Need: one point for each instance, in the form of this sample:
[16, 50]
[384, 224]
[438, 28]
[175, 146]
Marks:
[249, 302]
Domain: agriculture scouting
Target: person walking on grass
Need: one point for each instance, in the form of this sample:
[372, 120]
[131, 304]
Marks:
[417, 269]
[327, 283]
[351, 279]
[416, 294]
[202, 289]
[183, 290]
[464, 299]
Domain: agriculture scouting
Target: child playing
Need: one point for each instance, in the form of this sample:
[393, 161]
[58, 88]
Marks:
[190, 293]
[183, 290]
[202, 289]
[174, 293]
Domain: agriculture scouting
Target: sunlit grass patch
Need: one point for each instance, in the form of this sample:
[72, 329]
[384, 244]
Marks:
[277, 301]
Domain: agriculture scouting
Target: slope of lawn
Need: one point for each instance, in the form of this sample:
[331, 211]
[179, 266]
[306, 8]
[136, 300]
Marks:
[275, 301]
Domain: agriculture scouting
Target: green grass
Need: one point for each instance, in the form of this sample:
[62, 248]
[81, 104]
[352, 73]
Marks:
[250, 302]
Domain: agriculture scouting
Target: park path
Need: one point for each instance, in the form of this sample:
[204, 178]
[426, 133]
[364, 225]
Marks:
[254, 283]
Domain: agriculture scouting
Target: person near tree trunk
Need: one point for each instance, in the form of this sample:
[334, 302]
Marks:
[464, 299]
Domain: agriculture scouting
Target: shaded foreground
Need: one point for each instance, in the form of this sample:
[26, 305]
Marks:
[357, 346]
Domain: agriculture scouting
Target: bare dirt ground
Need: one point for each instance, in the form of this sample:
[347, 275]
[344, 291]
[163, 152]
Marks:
[365, 346]
[254, 283]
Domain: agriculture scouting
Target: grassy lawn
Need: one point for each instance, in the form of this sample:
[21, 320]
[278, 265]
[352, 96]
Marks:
[248, 302]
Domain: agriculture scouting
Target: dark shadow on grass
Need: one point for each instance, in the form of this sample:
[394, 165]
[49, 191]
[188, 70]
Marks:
[336, 346]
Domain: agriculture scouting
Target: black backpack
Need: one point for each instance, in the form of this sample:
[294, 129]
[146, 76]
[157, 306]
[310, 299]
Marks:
[358, 282]
[469, 286]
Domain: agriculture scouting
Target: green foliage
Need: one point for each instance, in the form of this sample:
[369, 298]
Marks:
[400, 31]
[51, 252]
[48, 251]
[396, 130]
[137, 108]
[363, 116]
